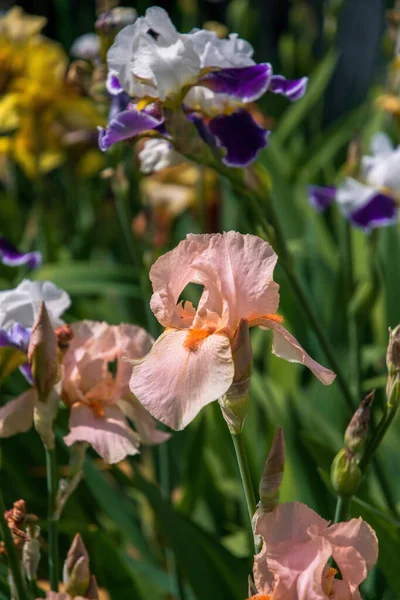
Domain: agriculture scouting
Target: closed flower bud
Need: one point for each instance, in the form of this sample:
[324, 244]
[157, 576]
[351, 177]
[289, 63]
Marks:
[345, 473]
[92, 591]
[76, 574]
[273, 473]
[31, 552]
[43, 354]
[44, 414]
[357, 431]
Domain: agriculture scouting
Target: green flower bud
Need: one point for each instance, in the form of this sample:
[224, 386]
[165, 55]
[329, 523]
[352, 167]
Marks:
[345, 473]
[272, 476]
[76, 569]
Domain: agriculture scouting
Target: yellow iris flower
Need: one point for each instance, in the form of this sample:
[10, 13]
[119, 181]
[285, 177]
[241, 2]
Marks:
[39, 108]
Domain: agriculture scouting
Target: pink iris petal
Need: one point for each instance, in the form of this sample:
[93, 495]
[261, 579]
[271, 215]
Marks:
[236, 270]
[286, 346]
[169, 275]
[110, 435]
[174, 382]
[144, 423]
[246, 84]
[17, 415]
[354, 548]
[242, 268]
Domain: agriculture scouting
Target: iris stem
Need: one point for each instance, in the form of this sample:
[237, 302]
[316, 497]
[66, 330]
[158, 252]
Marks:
[342, 511]
[51, 471]
[11, 552]
[245, 475]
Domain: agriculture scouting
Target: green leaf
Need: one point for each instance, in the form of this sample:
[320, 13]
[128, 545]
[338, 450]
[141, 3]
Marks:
[318, 81]
[211, 570]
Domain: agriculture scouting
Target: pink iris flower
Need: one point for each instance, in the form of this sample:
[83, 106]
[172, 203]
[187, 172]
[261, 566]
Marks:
[293, 563]
[100, 400]
[193, 362]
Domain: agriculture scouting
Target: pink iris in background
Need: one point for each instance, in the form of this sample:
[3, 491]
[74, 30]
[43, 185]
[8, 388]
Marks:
[192, 362]
[297, 544]
[95, 387]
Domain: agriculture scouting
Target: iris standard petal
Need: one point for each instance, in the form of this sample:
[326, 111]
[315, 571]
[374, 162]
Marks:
[240, 136]
[354, 548]
[126, 125]
[10, 256]
[321, 197]
[181, 374]
[245, 84]
[293, 89]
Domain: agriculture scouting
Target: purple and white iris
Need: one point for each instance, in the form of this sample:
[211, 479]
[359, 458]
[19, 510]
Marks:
[19, 308]
[10, 256]
[211, 79]
[374, 202]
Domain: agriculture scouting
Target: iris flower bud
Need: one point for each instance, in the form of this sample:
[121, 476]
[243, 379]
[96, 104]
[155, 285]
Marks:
[345, 473]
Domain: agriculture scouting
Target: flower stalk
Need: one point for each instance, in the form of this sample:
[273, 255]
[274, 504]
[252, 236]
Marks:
[245, 475]
[51, 469]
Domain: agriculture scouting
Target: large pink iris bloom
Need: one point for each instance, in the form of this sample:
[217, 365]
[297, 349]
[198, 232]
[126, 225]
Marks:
[297, 544]
[192, 363]
[95, 386]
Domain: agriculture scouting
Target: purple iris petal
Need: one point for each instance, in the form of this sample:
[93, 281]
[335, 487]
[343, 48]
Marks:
[321, 197]
[240, 135]
[119, 103]
[247, 84]
[379, 211]
[16, 337]
[10, 256]
[128, 124]
[113, 85]
[20, 336]
[27, 372]
[293, 89]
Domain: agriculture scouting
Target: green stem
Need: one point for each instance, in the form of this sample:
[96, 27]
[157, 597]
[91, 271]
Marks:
[342, 509]
[376, 440]
[51, 469]
[11, 552]
[245, 475]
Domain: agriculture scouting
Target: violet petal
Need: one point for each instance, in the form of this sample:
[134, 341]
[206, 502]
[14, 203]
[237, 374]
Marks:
[293, 89]
[246, 84]
[240, 135]
[321, 197]
[10, 256]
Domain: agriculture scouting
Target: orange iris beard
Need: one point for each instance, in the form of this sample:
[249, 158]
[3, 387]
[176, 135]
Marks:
[194, 338]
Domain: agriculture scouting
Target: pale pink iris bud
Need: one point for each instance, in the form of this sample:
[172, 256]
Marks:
[272, 476]
[76, 574]
[43, 354]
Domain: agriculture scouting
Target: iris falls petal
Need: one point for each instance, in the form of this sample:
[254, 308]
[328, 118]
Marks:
[10, 256]
[246, 84]
[126, 125]
[293, 89]
[241, 137]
